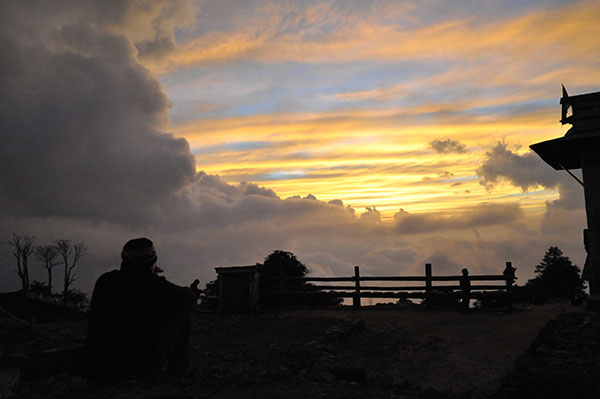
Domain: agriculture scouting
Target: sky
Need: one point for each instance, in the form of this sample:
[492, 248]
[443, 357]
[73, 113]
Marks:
[385, 134]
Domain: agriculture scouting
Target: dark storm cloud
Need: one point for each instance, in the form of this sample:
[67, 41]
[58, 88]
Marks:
[150, 24]
[447, 146]
[528, 171]
[83, 124]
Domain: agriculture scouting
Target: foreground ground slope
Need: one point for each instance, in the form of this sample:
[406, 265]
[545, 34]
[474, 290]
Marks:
[339, 353]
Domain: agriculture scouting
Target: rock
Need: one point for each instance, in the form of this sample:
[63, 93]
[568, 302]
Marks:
[559, 362]
[9, 382]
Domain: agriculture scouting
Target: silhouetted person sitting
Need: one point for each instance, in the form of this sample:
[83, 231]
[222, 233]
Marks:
[139, 322]
[465, 287]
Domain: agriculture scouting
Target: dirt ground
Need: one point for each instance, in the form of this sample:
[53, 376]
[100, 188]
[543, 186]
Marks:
[402, 352]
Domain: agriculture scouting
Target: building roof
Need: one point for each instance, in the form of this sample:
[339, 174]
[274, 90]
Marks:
[235, 269]
[583, 112]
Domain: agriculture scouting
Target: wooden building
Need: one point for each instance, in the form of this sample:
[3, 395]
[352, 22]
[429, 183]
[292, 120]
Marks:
[579, 148]
[238, 289]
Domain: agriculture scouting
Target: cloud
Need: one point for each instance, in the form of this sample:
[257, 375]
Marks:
[468, 218]
[336, 202]
[528, 171]
[326, 33]
[448, 146]
[371, 215]
[524, 171]
[150, 25]
[87, 155]
[83, 123]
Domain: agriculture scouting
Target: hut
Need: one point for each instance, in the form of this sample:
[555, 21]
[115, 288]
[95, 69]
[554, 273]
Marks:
[238, 289]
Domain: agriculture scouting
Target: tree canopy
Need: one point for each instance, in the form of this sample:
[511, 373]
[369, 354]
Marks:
[285, 264]
[556, 276]
[282, 263]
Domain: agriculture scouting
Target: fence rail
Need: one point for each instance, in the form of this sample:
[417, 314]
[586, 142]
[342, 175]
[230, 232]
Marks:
[426, 291]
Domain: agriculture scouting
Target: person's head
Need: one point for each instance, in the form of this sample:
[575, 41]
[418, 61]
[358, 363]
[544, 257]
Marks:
[138, 255]
[465, 272]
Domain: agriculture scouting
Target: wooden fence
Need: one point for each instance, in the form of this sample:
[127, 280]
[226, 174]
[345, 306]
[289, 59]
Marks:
[502, 284]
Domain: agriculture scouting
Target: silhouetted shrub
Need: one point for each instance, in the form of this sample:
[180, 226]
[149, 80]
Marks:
[522, 293]
[77, 299]
[38, 287]
[209, 298]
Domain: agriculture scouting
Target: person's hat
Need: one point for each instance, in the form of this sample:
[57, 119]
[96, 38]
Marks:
[139, 250]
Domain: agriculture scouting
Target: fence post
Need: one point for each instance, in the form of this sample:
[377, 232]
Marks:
[428, 285]
[509, 275]
[356, 298]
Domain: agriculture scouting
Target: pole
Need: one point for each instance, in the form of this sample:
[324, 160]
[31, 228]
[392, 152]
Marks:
[428, 285]
[356, 298]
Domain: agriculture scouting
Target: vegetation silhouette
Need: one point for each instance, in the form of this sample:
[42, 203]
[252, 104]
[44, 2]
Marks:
[22, 248]
[70, 254]
[556, 278]
[282, 272]
[47, 254]
[63, 252]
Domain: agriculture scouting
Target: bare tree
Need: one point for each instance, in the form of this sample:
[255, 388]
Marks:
[48, 255]
[70, 253]
[23, 247]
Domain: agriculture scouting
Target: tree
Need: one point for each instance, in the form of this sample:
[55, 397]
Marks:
[70, 254]
[285, 264]
[48, 254]
[279, 264]
[23, 247]
[282, 263]
[556, 277]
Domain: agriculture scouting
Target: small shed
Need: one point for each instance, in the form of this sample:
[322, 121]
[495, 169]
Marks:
[238, 289]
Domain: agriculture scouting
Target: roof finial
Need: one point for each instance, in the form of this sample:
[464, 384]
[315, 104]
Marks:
[565, 94]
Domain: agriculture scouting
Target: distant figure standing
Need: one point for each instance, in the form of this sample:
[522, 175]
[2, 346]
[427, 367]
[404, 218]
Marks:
[465, 287]
[509, 277]
[139, 323]
[509, 274]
